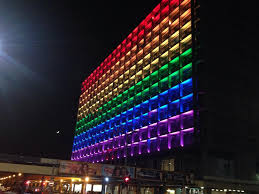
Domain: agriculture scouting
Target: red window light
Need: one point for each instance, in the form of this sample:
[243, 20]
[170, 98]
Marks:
[128, 46]
[148, 18]
[108, 65]
[148, 26]
[165, 11]
[174, 4]
[119, 48]
[157, 19]
[134, 39]
[124, 42]
[102, 65]
[114, 52]
[129, 37]
[118, 56]
[156, 9]
[113, 61]
[142, 25]
[109, 57]
[105, 60]
[135, 31]
[136, 34]
[123, 50]
[164, 2]
[141, 34]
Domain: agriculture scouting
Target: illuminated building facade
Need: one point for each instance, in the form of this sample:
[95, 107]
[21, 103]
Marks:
[142, 99]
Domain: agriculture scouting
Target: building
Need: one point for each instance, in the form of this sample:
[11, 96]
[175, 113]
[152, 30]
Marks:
[141, 99]
[160, 99]
[30, 174]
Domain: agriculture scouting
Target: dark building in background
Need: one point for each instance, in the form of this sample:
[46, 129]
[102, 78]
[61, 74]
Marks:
[172, 96]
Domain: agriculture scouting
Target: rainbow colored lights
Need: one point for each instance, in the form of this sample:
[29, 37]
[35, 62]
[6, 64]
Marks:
[140, 99]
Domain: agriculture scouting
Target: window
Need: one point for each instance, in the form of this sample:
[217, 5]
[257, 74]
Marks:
[168, 165]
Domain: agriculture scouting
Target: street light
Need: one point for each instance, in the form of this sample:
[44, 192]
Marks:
[126, 179]
[106, 179]
[27, 182]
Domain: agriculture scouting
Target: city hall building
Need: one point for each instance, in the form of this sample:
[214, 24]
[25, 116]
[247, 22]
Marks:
[147, 103]
[141, 99]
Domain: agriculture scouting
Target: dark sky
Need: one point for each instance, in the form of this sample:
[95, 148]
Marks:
[47, 48]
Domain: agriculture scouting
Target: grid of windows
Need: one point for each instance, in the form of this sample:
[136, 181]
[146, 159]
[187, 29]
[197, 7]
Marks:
[140, 99]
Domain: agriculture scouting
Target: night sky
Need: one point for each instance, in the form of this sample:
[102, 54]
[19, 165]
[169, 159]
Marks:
[47, 48]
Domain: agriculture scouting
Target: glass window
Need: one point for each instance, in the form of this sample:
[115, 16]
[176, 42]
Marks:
[152, 130]
[163, 71]
[163, 98]
[186, 57]
[168, 165]
[147, 59]
[153, 103]
[146, 71]
[146, 82]
[186, 43]
[163, 59]
[132, 92]
[145, 94]
[155, 53]
[162, 113]
[187, 120]
[145, 107]
[186, 87]
[174, 79]
[145, 120]
[154, 78]
[138, 87]
[154, 90]
[154, 65]
[186, 103]
[164, 84]
[138, 99]
[174, 108]
[174, 52]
